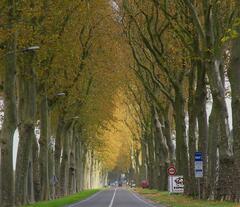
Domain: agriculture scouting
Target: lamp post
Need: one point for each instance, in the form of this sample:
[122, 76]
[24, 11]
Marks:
[23, 50]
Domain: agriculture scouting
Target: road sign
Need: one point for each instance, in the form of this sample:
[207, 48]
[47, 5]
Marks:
[176, 184]
[198, 165]
[198, 156]
[171, 170]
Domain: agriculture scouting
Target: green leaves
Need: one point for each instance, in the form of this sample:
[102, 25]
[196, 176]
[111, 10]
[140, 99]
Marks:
[230, 35]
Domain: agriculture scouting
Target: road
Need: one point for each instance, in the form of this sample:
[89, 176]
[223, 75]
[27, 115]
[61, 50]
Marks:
[118, 197]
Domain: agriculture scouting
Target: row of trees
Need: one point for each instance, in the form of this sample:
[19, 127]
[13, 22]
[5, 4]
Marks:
[186, 54]
[63, 71]
[61, 68]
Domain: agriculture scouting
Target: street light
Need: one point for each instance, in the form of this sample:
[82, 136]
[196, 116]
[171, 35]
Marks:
[75, 117]
[61, 94]
[54, 98]
[31, 48]
[27, 49]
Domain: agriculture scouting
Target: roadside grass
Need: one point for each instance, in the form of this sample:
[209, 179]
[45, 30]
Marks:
[178, 200]
[65, 200]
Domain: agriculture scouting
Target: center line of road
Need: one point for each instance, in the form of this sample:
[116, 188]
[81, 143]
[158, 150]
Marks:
[110, 205]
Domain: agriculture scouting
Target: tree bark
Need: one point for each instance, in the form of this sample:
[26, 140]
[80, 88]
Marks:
[44, 141]
[167, 134]
[151, 165]
[72, 164]
[36, 171]
[201, 99]
[213, 138]
[10, 121]
[181, 145]
[26, 114]
[192, 122]
[162, 153]
[64, 165]
[57, 153]
[213, 65]
[234, 77]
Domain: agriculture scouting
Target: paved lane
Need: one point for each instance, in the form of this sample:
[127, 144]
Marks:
[115, 198]
[101, 199]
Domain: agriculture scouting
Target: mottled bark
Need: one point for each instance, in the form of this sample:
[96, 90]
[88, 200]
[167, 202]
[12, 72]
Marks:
[143, 168]
[213, 64]
[167, 134]
[213, 138]
[30, 186]
[151, 164]
[72, 164]
[26, 114]
[162, 153]
[36, 171]
[225, 154]
[64, 168]
[78, 160]
[201, 99]
[234, 77]
[8, 127]
[57, 153]
[192, 116]
[44, 142]
[181, 145]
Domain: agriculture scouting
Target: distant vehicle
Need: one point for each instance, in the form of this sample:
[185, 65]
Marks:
[112, 184]
[145, 184]
[132, 184]
[119, 184]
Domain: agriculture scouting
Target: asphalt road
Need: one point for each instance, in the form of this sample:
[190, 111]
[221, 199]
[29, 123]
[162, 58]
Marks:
[118, 197]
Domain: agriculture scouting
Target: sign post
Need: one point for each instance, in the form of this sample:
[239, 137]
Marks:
[171, 170]
[175, 182]
[198, 170]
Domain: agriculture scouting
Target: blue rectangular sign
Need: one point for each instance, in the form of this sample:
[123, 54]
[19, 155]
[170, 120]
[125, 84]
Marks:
[198, 156]
[198, 165]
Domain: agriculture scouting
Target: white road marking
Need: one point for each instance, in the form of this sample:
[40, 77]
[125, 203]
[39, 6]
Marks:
[111, 204]
[141, 199]
[91, 197]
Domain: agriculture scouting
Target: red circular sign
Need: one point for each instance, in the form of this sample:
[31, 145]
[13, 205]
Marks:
[171, 170]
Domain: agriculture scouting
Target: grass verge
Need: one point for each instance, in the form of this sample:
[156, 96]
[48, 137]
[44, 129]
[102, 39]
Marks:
[178, 200]
[65, 200]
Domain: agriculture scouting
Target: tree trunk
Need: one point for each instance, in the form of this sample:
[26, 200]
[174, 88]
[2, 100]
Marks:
[192, 115]
[225, 154]
[57, 153]
[234, 77]
[143, 170]
[36, 171]
[181, 145]
[213, 65]
[26, 114]
[167, 134]
[44, 141]
[30, 186]
[9, 123]
[151, 165]
[162, 153]
[72, 164]
[213, 138]
[201, 99]
[64, 166]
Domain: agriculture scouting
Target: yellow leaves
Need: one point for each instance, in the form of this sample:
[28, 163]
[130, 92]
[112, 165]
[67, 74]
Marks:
[116, 138]
[82, 53]
[230, 35]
